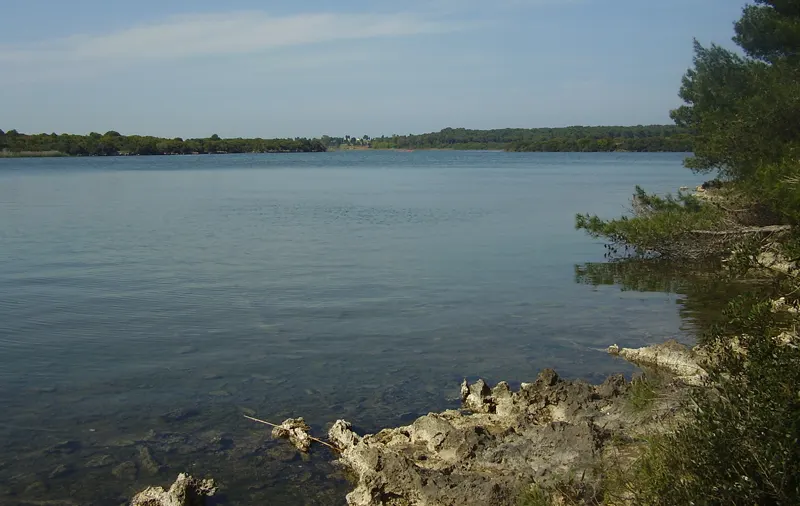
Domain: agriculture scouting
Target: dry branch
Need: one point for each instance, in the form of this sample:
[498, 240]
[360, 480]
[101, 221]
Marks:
[771, 229]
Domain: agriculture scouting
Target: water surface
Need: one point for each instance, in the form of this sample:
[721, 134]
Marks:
[147, 302]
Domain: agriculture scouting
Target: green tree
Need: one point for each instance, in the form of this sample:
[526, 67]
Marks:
[744, 114]
[740, 443]
[745, 110]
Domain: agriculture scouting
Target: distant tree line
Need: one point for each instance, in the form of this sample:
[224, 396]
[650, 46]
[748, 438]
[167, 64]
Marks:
[112, 144]
[347, 140]
[649, 138]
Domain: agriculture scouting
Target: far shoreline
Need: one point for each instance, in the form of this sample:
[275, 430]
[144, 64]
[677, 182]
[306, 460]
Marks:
[57, 154]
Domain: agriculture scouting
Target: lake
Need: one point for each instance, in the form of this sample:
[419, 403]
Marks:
[146, 303]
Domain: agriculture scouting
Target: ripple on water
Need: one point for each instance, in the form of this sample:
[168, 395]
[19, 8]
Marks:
[147, 303]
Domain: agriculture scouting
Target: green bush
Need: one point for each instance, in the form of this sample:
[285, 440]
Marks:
[742, 444]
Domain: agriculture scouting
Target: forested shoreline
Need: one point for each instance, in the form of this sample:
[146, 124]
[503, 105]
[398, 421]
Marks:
[652, 138]
[114, 144]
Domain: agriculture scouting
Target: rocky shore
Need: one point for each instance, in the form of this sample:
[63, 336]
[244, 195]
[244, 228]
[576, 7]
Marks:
[549, 433]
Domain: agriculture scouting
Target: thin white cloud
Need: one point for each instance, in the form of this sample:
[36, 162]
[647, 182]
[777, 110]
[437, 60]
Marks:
[218, 34]
[453, 6]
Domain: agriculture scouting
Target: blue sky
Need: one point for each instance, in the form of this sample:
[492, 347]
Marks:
[273, 68]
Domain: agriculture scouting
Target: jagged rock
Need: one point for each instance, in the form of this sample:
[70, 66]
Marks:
[614, 386]
[671, 357]
[341, 435]
[544, 430]
[186, 491]
[296, 430]
[475, 397]
[548, 378]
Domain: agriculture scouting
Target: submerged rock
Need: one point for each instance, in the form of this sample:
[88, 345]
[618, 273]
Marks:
[99, 461]
[147, 462]
[65, 447]
[186, 491]
[509, 440]
[125, 471]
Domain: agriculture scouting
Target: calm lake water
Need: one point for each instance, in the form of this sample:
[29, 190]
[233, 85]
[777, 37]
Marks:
[146, 303]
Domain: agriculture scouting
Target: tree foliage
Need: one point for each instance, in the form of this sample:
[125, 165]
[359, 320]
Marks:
[571, 139]
[740, 443]
[112, 143]
[743, 111]
[652, 138]
[670, 226]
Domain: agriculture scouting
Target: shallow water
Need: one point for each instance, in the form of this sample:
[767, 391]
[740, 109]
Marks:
[147, 302]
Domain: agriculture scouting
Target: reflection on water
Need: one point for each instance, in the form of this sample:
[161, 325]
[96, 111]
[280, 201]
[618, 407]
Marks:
[147, 303]
[703, 290]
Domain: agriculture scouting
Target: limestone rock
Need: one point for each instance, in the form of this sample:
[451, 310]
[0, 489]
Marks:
[296, 430]
[671, 357]
[544, 430]
[475, 397]
[186, 491]
[614, 386]
[342, 436]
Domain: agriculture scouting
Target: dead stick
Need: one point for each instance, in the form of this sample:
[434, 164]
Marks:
[310, 436]
[261, 421]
